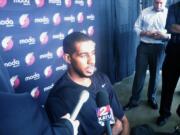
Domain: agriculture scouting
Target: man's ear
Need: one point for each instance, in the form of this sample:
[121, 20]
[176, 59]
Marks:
[67, 58]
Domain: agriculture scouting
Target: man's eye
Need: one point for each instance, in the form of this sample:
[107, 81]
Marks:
[82, 56]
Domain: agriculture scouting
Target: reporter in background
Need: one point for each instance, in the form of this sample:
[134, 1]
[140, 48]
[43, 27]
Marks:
[150, 26]
[4, 78]
[171, 65]
[15, 105]
[79, 54]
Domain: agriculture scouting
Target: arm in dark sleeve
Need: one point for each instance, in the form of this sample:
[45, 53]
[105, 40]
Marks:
[55, 109]
[62, 127]
[116, 106]
[55, 112]
[4, 78]
[171, 19]
[113, 99]
[121, 125]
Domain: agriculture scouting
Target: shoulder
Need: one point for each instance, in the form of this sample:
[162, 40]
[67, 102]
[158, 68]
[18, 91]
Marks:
[176, 5]
[147, 10]
[100, 76]
[60, 84]
[165, 9]
[174, 9]
[101, 81]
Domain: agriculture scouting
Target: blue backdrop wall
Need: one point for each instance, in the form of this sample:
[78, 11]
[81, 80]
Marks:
[32, 32]
[31, 39]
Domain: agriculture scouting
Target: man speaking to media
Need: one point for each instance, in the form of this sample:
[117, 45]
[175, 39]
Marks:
[79, 54]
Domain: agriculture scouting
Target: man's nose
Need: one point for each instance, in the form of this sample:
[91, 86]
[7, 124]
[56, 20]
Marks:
[159, 5]
[91, 59]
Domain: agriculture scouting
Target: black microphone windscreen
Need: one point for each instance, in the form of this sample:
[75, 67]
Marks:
[178, 110]
[102, 99]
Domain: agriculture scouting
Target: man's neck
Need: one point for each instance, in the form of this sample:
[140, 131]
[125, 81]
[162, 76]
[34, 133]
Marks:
[84, 81]
[158, 10]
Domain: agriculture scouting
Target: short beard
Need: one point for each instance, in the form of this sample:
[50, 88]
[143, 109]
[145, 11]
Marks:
[79, 73]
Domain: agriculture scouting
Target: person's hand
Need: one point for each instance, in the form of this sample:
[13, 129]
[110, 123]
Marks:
[146, 33]
[159, 36]
[117, 128]
[75, 123]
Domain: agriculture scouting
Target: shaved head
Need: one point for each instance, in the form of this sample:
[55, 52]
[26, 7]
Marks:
[159, 4]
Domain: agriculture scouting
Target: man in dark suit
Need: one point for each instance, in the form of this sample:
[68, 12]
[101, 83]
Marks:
[171, 65]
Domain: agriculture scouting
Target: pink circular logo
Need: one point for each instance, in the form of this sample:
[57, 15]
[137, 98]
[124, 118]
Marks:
[44, 38]
[7, 43]
[39, 3]
[68, 3]
[91, 31]
[59, 52]
[56, 19]
[35, 92]
[48, 71]
[15, 81]
[3, 3]
[89, 3]
[80, 17]
[30, 59]
[24, 20]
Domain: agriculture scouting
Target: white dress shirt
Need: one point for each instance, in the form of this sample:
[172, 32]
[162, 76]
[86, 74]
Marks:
[151, 20]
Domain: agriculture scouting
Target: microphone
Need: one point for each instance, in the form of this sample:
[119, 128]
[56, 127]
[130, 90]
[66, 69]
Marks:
[104, 111]
[178, 110]
[84, 96]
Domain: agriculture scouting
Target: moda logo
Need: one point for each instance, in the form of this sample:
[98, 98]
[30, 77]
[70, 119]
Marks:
[44, 38]
[56, 19]
[70, 18]
[43, 20]
[68, 3]
[30, 58]
[15, 81]
[80, 17]
[7, 22]
[39, 3]
[49, 87]
[24, 2]
[59, 51]
[7, 43]
[14, 63]
[35, 76]
[35, 92]
[3, 3]
[91, 31]
[59, 36]
[91, 17]
[24, 20]
[79, 2]
[29, 41]
[48, 55]
[56, 2]
[48, 71]
[61, 68]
